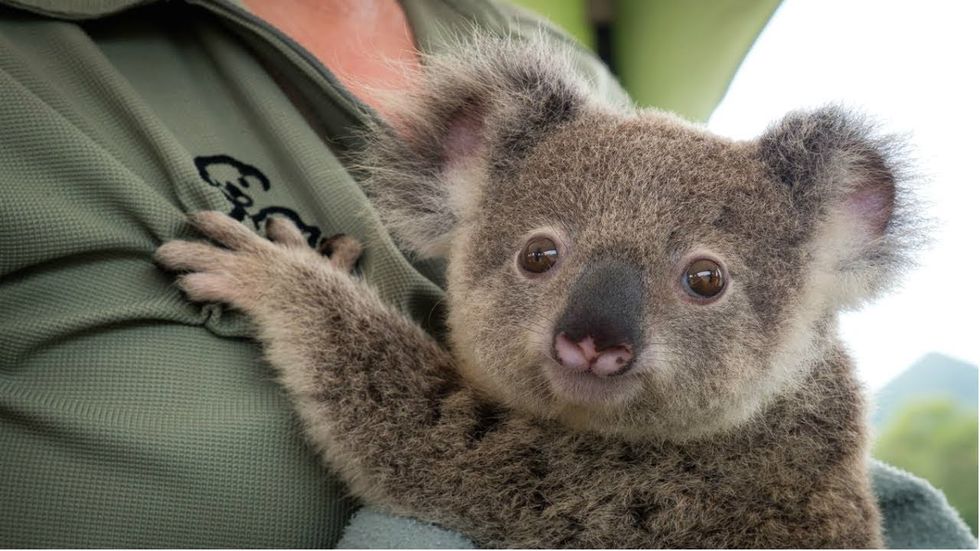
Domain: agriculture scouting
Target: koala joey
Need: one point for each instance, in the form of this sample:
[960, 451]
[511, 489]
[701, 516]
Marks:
[642, 316]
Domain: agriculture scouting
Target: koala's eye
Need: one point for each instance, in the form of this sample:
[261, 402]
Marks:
[704, 278]
[539, 255]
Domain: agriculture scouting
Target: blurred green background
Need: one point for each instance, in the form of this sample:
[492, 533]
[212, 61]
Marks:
[680, 55]
[926, 423]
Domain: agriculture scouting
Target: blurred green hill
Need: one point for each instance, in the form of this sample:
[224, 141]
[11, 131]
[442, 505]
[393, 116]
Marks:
[932, 376]
[926, 420]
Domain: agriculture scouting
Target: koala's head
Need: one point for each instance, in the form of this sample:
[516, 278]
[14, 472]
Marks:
[624, 271]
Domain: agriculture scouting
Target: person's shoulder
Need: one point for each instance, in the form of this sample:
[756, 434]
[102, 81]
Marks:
[915, 514]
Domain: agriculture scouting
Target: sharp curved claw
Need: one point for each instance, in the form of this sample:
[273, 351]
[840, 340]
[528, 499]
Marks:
[344, 251]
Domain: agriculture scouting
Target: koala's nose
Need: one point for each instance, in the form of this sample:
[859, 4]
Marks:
[600, 328]
[582, 356]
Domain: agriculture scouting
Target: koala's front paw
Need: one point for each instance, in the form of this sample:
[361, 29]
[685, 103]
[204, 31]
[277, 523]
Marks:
[251, 270]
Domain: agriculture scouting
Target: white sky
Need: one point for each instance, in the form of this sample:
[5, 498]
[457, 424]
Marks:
[914, 66]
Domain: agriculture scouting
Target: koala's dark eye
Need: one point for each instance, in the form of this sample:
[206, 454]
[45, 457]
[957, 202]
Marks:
[539, 255]
[704, 279]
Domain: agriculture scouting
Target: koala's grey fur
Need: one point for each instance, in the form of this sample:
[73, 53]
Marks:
[741, 424]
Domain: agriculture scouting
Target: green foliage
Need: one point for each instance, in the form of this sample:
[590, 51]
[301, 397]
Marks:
[936, 439]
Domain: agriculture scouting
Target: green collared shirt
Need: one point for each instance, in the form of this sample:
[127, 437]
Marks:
[129, 416]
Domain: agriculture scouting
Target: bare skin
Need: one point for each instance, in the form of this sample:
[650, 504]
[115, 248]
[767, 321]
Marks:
[367, 44]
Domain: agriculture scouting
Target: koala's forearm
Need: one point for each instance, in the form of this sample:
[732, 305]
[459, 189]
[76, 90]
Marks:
[381, 401]
[366, 380]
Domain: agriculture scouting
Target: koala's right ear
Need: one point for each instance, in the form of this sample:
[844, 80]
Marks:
[472, 117]
[853, 186]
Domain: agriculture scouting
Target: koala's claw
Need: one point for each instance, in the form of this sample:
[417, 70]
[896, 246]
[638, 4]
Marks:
[343, 251]
[246, 272]
[227, 231]
[192, 256]
[212, 270]
[285, 232]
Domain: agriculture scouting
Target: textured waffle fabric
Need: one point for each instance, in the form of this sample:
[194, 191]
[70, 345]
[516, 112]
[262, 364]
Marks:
[130, 417]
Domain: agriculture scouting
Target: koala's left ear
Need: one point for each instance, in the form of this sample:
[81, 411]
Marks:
[850, 186]
[475, 114]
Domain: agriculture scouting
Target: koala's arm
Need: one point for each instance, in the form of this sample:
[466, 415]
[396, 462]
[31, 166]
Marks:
[379, 398]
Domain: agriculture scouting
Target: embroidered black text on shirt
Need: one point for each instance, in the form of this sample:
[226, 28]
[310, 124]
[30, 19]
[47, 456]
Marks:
[238, 182]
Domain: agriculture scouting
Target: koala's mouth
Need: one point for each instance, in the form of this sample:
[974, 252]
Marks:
[589, 389]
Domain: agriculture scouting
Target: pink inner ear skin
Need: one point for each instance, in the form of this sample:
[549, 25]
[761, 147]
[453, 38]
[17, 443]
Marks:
[464, 136]
[873, 204]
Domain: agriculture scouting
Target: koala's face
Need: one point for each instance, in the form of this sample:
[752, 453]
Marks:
[630, 274]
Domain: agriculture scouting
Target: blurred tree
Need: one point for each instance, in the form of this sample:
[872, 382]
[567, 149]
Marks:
[936, 439]
[677, 55]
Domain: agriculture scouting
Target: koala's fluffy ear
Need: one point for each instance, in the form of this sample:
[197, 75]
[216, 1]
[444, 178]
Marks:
[850, 186]
[472, 116]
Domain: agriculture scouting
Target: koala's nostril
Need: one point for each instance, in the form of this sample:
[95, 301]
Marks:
[613, 361]
[570, 354]
[582, 356]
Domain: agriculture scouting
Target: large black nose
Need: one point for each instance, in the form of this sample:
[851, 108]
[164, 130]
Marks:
[604, 313]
